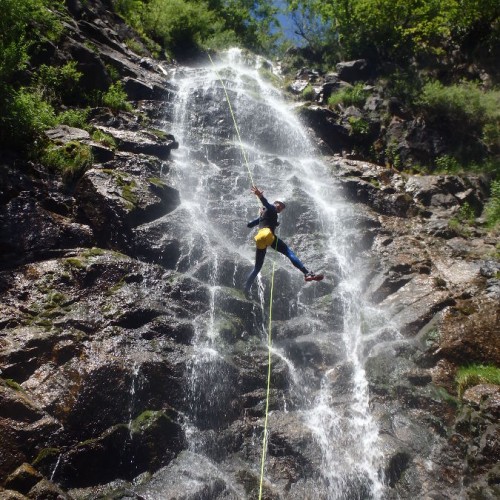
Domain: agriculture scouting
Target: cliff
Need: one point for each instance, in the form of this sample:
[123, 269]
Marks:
[107, 283]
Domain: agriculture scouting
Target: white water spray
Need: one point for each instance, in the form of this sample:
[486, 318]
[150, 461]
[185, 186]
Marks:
[210, 175]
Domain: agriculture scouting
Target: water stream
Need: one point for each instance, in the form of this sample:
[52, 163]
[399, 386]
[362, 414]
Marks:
[328, 389]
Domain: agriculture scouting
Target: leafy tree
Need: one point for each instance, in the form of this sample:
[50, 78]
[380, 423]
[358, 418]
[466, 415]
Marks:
[393, 30]
[183, 25]
[23, 25]
[24, 112]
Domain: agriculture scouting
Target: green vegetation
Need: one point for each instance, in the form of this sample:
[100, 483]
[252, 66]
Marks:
[74, 118]
[469, 376]
[308, 93]
[471, 113]
[116, 98]
[462, 222]
[492, 208]
[47, 454]
[103, 138]
[71, 159]
[24, 111]
[58, 84]
[13, 385]
[349, 96]
[182, 26]
[396, 30]
[359, 126]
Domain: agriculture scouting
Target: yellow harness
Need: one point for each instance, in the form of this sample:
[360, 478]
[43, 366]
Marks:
[264, 238]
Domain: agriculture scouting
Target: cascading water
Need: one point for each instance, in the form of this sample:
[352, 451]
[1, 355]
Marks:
[330, 398]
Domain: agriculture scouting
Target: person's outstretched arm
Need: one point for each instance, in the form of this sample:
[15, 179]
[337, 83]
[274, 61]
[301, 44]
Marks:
[260, 194]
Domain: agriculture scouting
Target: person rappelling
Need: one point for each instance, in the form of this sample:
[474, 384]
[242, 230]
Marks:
[268, 222]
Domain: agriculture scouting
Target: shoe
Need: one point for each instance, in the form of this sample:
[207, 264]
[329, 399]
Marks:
[313, 277]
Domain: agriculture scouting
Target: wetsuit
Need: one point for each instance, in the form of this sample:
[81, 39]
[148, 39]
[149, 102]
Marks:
[269, 218]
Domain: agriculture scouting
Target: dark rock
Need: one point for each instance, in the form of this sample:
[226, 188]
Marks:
[23, 478]
[65, 134]
[47, 490]
[27, 227]
[353, 71]
[324, 123]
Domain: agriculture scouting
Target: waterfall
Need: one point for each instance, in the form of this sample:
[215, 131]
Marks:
[327, 387]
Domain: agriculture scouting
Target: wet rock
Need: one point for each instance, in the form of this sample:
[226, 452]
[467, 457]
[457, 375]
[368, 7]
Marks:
[23, 478]
[115, 198]
[190, 476]
[332, 135]
[64, 134]
[142, 142]
[47, 490]
[416, 303]
[486, 396]
[469, 332]
[148, 442]
[28, 227]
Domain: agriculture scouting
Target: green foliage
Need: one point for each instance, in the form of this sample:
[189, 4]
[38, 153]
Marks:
[58, 84]
[460, 104]
[349, 96]
[447, 164]
[492, 208]
[103, 138]
[180, 26]
[23, 26]
[308, 93]
[466, 213]
[359, 126]
[393, 30]
[471, 114]
[116, 98]
[463, 220]
[74, 118]
[469, 376]
[24, 116]
[71, 159]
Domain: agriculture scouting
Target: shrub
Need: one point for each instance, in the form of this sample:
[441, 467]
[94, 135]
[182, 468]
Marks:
[103, 138]
[25, 115]
[469, 376]
[58, 84]
[492, 208]
[23, 25]
[464, 102]
[359, 126]
[74, 118]
[116, 98]
[447, 164]
[350, 96]
[308, 93]
[179, 23]
[70, 160]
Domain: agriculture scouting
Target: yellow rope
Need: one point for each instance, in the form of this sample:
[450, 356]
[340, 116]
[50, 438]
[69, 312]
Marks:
[234, 120]
[269, 336]
[269, 345]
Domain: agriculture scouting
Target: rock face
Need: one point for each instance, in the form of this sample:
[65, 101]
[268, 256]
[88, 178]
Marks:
[107, 388]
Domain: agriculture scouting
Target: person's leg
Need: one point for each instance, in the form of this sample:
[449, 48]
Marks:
[259, 261]
[283, 248]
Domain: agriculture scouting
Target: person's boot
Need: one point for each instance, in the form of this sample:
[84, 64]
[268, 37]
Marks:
[313, 277]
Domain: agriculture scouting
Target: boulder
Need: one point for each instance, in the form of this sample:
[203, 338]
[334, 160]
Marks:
[23, 478]
[353, 71]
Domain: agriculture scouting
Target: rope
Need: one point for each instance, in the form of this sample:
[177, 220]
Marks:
[234, 121]
[269, 345]
[269, 336]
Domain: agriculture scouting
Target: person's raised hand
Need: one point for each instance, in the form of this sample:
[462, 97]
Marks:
[256, 191]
